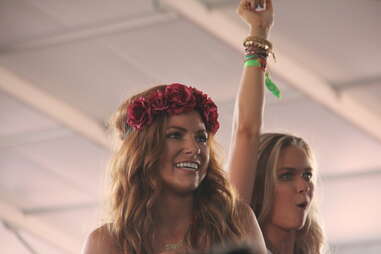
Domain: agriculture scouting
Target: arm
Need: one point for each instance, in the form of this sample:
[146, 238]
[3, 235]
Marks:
[253, 234]
[248, 109]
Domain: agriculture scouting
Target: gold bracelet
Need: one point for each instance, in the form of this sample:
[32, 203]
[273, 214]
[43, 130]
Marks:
[257, 42]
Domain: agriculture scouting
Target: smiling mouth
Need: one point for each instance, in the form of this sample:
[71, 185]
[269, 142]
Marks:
[190, 166]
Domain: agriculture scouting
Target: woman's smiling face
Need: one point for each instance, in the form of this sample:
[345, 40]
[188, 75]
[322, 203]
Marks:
[185, 158]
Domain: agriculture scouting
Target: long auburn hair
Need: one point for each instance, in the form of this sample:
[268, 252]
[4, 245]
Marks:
[309, 239]
[135, 186]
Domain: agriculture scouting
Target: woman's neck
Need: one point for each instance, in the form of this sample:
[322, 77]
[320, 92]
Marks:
[280, 241]
[173, 211]
[173, 215]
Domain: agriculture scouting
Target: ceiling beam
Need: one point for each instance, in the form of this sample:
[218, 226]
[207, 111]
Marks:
[213, 4]
[88, 32]
[20, 238]
[357, 246]
[351, 175]
[359, 83]
[31, 137]
[60, 208]
[298, 76]
[56, 109]
[11, 215]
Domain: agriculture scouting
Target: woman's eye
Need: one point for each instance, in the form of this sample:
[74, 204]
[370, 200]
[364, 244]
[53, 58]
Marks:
[202, 138]
[285, 176]
[174, 135]
[307, 176]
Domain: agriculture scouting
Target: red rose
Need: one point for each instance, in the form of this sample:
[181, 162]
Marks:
[139, 113]
[173, 99]
[158, 101]
[210, 115]
[180, 98]
[201, 98]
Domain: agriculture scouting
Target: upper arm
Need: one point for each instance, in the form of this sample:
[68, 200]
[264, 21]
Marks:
[242, 163]
[99, 241]
[253, 233]
[247, 124]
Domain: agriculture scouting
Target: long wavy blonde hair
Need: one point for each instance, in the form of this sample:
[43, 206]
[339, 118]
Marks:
[310, 239]
[135, 188]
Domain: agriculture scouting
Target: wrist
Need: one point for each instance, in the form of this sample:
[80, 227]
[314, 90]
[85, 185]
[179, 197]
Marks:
[259, 32]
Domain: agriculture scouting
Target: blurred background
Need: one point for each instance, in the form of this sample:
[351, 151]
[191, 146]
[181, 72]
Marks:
[65, 66]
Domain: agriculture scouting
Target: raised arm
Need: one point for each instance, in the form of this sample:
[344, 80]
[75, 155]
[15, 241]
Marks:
[248, 109]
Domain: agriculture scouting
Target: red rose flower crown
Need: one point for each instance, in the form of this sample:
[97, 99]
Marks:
[172, 99]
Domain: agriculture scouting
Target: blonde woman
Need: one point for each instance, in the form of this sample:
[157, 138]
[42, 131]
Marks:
[168, 191]
[279, 182]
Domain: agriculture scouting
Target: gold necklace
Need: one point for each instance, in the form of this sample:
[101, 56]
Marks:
[173, 246]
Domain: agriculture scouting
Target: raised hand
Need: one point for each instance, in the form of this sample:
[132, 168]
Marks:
[258, 14]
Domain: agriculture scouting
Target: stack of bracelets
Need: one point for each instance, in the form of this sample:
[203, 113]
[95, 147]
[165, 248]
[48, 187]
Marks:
[256, 52]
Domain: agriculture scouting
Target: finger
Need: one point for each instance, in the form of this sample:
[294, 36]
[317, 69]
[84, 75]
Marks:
[249, 4]
[241, 6]
[252, 4]
[269, 4]
[262, 3]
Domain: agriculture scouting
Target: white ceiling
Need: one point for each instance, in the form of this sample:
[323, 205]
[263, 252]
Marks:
[66, 65]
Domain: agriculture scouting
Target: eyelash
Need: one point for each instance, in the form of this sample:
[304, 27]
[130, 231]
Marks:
[308, 174]
[285, 176]
[175, 135]
[288, 176]
[201, 138]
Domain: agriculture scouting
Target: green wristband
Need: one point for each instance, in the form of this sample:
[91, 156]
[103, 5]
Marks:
[271, 86]
[248, 57]
[252, 62]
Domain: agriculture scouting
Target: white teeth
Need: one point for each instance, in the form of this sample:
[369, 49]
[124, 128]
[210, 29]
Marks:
[187, 165]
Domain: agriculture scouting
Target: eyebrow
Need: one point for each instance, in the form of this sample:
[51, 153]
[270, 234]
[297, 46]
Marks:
[184, 129]
[294, 169]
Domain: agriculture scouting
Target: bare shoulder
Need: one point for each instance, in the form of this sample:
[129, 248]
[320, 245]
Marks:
[100, 241]
[253, 232]
[247, 217]
[245, 212]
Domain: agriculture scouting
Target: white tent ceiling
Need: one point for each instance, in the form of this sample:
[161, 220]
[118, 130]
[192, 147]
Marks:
[66, 65]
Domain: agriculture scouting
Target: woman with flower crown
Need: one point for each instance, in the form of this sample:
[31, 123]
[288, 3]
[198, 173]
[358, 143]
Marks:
[168, 192]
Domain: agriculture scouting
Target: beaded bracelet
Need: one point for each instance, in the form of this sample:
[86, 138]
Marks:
[256, 62]
[256, 53]
[258, 42]
[256, 56]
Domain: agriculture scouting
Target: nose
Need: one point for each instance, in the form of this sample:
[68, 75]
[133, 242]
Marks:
[302, 185]
[191, 147]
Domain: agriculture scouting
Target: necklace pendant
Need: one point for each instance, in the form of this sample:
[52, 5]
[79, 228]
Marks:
[173, 246]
